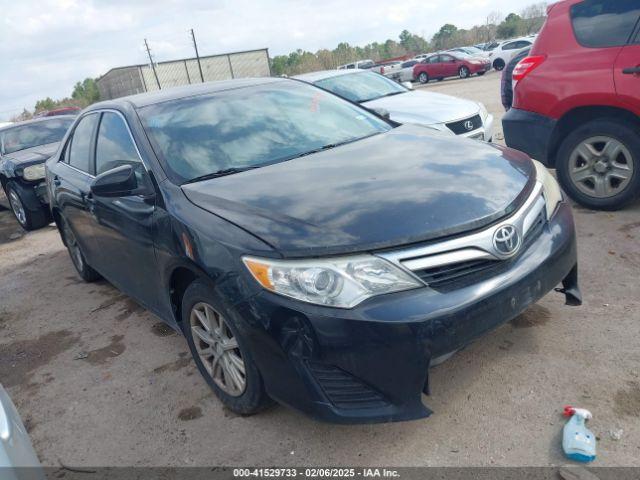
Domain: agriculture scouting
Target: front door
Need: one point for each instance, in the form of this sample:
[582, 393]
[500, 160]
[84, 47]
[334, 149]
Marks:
[124, 226]
[449, 66]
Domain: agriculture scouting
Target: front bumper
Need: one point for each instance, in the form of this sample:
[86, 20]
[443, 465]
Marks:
[530, 133]
[370, 364]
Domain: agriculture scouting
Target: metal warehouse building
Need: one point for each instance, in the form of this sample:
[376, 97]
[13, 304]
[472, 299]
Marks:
[122, 81]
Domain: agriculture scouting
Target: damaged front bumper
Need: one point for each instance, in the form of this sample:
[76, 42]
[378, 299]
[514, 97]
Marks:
[370, 364]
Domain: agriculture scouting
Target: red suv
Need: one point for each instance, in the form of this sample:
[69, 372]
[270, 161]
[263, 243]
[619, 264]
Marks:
[444, 65]
[577, 100]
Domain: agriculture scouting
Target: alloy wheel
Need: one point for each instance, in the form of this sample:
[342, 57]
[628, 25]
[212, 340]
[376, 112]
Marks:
[423, 77]
[601, 167]
[17, 207]
[218, 349]
[464, 72]
[74, 248]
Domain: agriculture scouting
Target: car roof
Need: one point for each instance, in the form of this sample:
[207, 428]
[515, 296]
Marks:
[175, 93]
[37, 120]
[313, 77]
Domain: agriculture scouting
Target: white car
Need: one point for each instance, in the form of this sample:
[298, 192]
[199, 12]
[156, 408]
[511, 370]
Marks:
[404, 73]
[503, 53]
[452, 115]
[360, 64]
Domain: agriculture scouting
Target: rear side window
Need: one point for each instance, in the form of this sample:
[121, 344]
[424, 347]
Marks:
[604, 23]
[114, 147]
[81, 142]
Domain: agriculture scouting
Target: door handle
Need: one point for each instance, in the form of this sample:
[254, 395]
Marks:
[632, 70]
[56, 181]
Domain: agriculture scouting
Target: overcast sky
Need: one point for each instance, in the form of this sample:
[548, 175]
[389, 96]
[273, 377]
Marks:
[48, 45]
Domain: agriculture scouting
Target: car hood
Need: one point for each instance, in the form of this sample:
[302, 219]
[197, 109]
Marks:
[397, 188]
[34, 155]
[425, 108]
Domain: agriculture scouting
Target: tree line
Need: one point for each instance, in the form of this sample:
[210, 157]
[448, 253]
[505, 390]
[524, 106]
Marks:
[496, 26]
[528, 21]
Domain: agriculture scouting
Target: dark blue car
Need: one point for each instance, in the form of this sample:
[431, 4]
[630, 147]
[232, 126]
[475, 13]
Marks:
[310, 251]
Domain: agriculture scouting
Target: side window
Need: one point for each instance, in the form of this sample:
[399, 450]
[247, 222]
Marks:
[79, 155]
[604, 23]
[434, 59]
[114, 146]
[350, 66]
[510, 46]
[446, 58]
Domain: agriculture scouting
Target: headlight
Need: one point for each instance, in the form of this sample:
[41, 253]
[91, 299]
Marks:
[34, 172]
[550, 188]
[337, 282]
[484, 113]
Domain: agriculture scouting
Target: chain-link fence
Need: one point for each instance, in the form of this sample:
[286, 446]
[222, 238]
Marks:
[122, 81]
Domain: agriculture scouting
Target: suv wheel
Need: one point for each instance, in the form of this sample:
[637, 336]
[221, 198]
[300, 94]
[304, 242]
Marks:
[220, 352]
[85, 271]
[463, 72]
[499, 64]
[27, 218]
[599, 164]
[423, 77]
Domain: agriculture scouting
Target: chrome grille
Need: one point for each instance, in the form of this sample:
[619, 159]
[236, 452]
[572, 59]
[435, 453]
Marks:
[464, 260]
[460, 127]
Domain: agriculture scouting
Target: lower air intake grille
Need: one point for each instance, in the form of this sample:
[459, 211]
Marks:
[459, 275]
[344, 390]
[462, 126]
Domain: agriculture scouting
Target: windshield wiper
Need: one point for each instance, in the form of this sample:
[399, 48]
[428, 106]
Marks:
[220, 173]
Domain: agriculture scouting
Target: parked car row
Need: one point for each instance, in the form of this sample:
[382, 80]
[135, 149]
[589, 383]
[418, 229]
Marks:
[434, 110]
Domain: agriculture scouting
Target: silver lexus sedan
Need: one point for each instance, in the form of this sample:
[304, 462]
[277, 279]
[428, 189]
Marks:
[376, 92]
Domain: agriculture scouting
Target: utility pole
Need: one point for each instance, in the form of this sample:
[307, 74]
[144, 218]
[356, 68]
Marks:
[153, 66]
[195, 46]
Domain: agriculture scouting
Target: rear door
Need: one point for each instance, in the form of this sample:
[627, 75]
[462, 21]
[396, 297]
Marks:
[627, 68]
[124, 225]
[72, 177]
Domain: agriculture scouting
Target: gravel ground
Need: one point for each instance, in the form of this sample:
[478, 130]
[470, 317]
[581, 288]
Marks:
[100, 381]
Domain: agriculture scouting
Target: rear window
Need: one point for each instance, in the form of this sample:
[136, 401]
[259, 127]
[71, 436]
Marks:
[604, 23]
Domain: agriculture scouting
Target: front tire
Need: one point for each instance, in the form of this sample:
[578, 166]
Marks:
[423, 77]
[85, 271]
[599, 164]
[220, 351]
[27, 218]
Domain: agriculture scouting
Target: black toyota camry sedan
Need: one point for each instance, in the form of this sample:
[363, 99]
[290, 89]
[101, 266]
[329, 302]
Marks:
[310, 251]
[24, 147]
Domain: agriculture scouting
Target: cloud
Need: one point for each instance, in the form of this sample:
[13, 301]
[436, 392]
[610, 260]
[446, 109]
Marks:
[47, 46]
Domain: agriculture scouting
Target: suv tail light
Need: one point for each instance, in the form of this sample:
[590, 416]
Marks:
[526, 66]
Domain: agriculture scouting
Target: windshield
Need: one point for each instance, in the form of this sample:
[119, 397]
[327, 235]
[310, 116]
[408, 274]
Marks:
[361, 87]
[473, 51]
[34, 134]
[252, 127]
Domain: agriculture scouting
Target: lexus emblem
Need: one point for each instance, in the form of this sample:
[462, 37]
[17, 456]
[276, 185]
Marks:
[506, 240]
[468, 125]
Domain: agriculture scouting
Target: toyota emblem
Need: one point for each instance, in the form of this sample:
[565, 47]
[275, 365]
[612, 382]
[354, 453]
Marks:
[468, 125]
[506, 240]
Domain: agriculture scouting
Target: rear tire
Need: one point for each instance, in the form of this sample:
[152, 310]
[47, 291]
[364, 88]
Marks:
[85, 271]
[27, 218]
[598, 164]
[423, 77]
[499, 64]
[464, 72]
[230, 369]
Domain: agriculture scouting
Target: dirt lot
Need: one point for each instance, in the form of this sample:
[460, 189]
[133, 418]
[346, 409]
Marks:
[100, 381]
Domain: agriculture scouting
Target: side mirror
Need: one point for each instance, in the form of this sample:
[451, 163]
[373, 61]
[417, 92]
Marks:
[407, 85]
[382, 112]
[119, 182]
